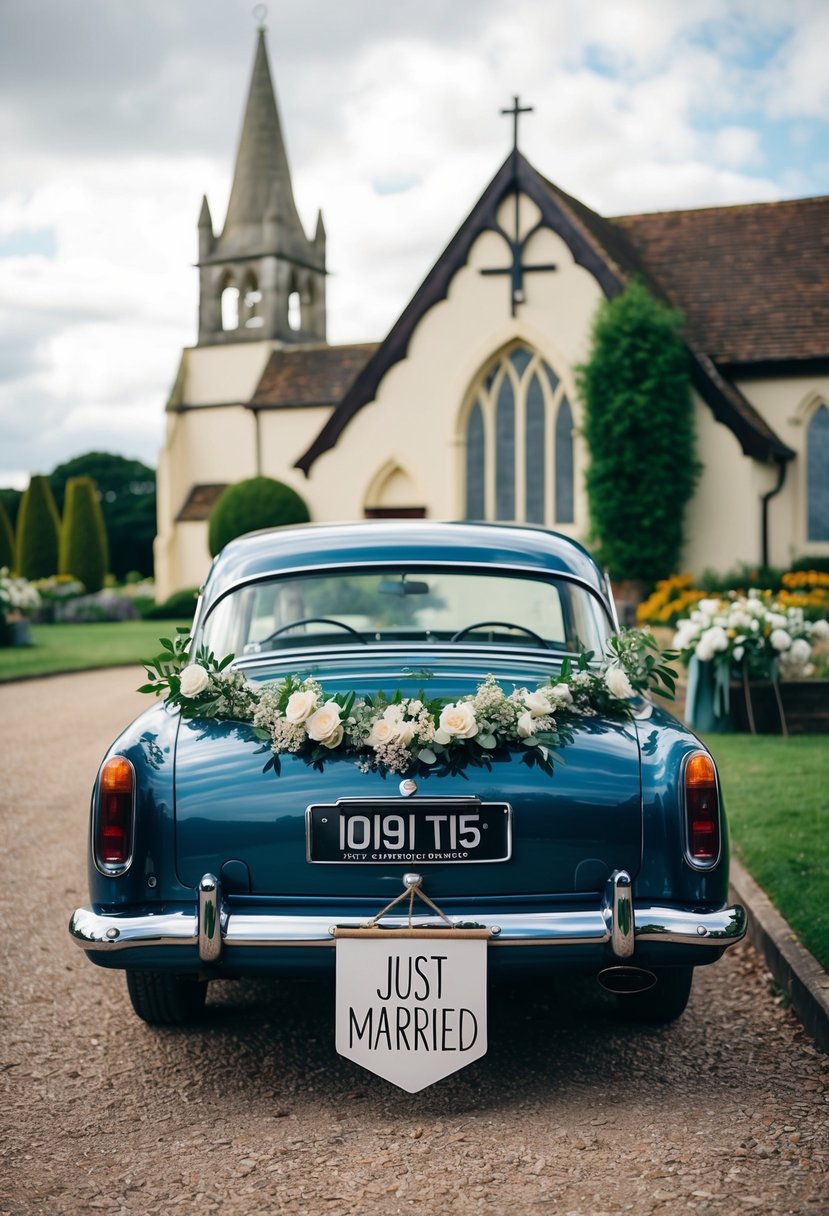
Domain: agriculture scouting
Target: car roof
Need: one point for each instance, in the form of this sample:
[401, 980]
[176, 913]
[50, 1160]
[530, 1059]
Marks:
[306, 547]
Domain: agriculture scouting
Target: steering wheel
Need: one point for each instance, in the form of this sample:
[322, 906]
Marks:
[313, 620]
[456, 637]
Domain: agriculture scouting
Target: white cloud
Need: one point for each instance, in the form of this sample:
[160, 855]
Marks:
[115, 119]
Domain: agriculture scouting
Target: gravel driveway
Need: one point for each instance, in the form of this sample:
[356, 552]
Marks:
[570, 1113]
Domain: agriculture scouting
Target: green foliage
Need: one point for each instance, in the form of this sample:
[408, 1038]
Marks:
[38, 524]
[127, 500]
[11, 499]
[258, 502]
[639, 431]
[6, 540]
[84, 552]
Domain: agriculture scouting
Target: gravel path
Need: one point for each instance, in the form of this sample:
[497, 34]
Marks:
[570, 1113]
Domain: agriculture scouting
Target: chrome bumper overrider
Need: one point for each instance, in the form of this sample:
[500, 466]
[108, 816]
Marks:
[213, 926]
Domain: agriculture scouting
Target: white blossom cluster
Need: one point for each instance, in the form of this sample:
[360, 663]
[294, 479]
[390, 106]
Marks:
[749, 628]
[17, 595]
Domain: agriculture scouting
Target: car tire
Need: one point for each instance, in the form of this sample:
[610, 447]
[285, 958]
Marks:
[163, 999]
[662, 1003]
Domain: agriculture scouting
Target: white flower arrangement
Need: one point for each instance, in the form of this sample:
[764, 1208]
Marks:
[295, 715]
[18, 597]
[750, 631]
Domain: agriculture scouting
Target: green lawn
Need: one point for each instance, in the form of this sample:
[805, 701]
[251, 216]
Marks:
[777, 798]
[78, 647]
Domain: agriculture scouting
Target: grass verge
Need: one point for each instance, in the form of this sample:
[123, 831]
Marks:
[60, 648]
[777, 798]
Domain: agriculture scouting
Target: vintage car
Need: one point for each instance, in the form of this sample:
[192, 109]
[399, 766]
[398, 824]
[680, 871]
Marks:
[444, 708]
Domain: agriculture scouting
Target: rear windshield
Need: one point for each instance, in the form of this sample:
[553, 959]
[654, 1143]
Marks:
[394, 605]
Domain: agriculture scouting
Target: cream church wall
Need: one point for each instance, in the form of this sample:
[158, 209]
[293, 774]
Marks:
[413, 424]
[285, 434]
[787, 405]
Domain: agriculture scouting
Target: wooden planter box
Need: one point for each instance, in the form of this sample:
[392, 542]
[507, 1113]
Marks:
[805, 705]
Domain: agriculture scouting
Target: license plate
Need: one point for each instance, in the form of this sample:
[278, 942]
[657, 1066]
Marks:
[411, 834]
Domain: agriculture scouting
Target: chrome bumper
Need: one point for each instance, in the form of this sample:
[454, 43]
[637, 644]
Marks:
[211, 926]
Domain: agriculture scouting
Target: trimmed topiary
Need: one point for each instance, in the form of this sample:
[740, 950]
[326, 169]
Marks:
[84, 552]
[639, 429]
[6, 540]
[38, 525]
[258, 502]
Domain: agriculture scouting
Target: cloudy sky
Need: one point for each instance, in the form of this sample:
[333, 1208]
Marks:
[117, 115]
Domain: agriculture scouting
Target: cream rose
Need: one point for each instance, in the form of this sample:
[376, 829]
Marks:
[526, 725]
[560, 692]
[300, 706]
[457, 721]
[618, 684]
[194, 679]
[323, 724]
[382, 732]
[538, 703]
[335, 739]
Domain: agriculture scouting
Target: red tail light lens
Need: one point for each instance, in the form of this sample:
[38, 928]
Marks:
[702, 809]
[114, 823]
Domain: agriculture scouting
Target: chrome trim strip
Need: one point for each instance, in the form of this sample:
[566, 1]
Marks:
[589, 927]
[210, 936]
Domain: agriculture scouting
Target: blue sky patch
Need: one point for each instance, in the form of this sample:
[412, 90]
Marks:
[28, 243]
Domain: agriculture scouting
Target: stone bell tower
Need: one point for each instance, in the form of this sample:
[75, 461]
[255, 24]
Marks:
[261, 278]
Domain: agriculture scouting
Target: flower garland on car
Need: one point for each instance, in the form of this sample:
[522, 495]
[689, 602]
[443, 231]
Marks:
[397, 734]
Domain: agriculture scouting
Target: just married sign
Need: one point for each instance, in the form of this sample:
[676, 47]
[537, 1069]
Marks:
[411, 1006]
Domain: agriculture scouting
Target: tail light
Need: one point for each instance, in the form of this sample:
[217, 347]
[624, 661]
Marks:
[113, 829]
[702, 810]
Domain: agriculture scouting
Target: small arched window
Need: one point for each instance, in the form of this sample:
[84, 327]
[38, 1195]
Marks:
[518, 406]
[294, 311]
[817, 475]
[230, 305]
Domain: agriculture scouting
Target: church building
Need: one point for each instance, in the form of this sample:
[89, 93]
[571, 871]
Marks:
[468, 408]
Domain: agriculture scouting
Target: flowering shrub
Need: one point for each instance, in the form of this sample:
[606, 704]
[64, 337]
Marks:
[18, 598]
[670, 600]
[396, 734]
[752, 631]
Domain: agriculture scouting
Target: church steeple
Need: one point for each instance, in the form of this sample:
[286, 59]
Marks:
[262, 262]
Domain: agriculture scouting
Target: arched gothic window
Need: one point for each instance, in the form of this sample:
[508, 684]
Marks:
[519, 443]
[229, 297]
[817, 475]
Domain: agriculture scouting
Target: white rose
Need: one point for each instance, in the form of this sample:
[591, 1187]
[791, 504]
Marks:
[405, 731]
[560, 692]
[738, 653]
[709, 607]
[526, 725]
[538, 703]
[718, 638]
[820, 629]
[335, 738]
[382, 732]
[194, 679]
[393, 713]
[324, 723]
[780, 640]
[300, 706]
[800, 653]
[457, 721]
[618, 683]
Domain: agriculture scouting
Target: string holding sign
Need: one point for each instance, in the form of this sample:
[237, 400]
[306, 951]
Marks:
[412, 1011]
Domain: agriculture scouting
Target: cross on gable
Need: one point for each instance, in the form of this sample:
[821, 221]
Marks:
[516, 270]
[515, 110]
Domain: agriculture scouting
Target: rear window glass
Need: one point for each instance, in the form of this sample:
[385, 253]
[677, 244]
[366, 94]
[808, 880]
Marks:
[394, 605]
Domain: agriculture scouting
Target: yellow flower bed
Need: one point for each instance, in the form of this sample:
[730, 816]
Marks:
[671, 599]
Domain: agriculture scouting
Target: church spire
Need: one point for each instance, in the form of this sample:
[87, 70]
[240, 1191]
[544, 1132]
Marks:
[263, 255]
[261, 175]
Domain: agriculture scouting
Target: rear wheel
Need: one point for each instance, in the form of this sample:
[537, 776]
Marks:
[166, 1000]
[662, 1003]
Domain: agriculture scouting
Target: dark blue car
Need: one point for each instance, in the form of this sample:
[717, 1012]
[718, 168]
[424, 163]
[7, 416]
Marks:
[439, 708]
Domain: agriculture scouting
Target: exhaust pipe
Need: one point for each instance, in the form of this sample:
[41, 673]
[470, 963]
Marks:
[626, 980]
